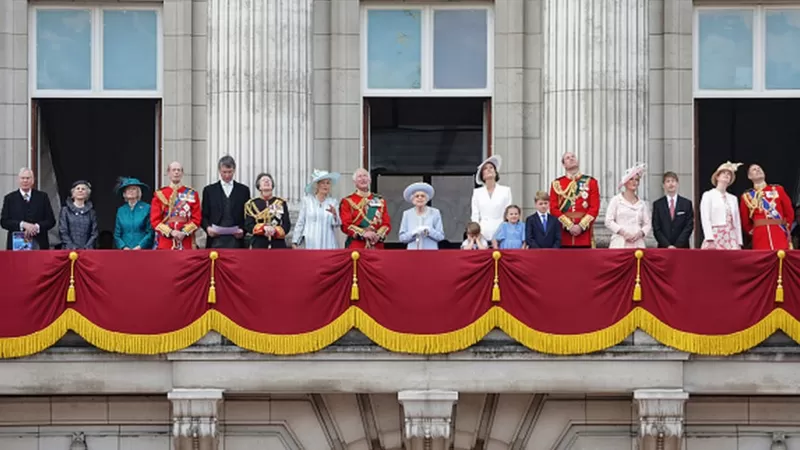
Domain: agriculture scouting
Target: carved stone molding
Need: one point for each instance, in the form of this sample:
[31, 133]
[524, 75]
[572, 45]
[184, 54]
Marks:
[661, 412]
[194, 417]
[428, 416]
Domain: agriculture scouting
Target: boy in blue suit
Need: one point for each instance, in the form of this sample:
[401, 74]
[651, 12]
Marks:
[541, 229]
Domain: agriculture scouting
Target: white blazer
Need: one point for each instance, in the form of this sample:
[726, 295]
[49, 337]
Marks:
[712, 213]
[488, 211]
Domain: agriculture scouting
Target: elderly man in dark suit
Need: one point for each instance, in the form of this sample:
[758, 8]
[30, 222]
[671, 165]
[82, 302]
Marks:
[223, 207]
[27, 211]
[673, 216]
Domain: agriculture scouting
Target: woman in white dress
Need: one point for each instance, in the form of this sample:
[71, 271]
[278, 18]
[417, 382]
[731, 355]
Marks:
[628, 217]
[719, 211]
[319, 214]
[490, 200]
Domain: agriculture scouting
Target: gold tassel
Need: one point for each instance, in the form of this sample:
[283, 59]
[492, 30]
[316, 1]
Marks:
[212, 290]
[354, 296]
[73, 256]
[637, 289]
[496, 289]
[779, 289]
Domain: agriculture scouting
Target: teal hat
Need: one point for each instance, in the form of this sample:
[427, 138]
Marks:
[319, 175]
[124, 182]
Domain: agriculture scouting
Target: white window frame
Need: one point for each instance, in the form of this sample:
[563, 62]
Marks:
[759, 89]
[97, 90]
[426, 55]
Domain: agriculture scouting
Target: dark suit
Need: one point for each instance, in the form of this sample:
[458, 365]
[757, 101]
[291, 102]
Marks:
[537, 237]
[35, 211]
[214, 205]
[669, 231]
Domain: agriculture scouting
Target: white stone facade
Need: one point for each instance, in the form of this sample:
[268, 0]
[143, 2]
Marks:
[278, 86]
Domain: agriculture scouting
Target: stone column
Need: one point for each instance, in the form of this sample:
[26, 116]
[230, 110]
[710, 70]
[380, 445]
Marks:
[595, 87]
[661, 416]
[194, 418]
[259, 90]
[428, 416]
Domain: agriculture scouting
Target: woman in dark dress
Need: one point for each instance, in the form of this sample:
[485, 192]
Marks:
[77, 224]
[266, 217]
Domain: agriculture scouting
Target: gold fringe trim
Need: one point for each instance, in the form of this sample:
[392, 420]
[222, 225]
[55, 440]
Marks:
[283, 344]
[495, 317]
[425, 344]
[566, 344]
[718, 344]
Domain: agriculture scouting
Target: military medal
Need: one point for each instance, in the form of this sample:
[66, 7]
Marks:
[585, 205]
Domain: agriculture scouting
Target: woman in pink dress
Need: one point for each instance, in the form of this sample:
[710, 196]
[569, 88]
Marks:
[719, 211]
[627, 216]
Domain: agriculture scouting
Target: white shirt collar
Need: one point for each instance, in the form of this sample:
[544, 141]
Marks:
[228, 184]
[23, 193]
[673, 198]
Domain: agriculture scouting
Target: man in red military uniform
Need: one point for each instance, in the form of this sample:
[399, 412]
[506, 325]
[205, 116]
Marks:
[575, 202]
[175, 212]
[766, 211]
[365, 219]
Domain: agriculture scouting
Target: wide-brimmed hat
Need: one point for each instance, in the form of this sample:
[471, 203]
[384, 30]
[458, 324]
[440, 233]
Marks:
[124, 182]
[631, 172]
[413, 188]
[319, 175]
[729, 166]
[496, 161]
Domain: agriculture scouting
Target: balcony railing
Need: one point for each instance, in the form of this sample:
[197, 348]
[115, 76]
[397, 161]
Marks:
[290, 302]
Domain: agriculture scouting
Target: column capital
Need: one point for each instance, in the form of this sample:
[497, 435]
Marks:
[661, 412]
[194, 412]
[427, 414]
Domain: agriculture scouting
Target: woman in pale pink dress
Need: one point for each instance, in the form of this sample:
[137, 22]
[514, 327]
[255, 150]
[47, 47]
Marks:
[628, 217]
[719, 211]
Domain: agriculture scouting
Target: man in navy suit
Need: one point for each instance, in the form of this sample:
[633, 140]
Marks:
[27, 211]
[673, 216]
[541, 229]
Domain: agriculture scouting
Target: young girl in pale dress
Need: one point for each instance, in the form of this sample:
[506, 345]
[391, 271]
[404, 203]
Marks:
[719, 211]
[628, 217]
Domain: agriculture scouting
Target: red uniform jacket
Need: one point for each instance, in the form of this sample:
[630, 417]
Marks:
[767, 215]
[575, 201]
[361, 213]
[175, 208]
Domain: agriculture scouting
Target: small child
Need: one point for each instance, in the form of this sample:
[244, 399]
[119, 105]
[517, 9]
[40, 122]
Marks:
[542, 230]
[474, 239]
[511, 233]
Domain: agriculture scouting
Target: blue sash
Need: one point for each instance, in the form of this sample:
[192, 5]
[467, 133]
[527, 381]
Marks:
[771, 212]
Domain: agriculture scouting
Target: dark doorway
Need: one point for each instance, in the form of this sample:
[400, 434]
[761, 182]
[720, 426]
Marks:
[97, 140]
[437, 140]
[762, 131]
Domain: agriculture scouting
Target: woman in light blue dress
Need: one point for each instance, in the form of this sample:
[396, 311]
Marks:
[319, 214]
[132, 230]
[421, 228]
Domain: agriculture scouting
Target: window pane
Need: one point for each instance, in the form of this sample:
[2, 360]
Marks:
[725, 44]
[459, 49]
[130, 50]
[783, 49]
[63, 49]
[394, 52]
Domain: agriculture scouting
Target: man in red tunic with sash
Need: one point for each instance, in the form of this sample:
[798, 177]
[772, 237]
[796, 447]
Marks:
[575, 202]
[766, 211]
[175, 212]
[365, 219]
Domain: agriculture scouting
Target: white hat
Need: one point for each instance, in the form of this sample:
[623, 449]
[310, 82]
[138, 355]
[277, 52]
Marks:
[632, 172]
[413, 188]
[729, 166]
[319, 175]
[496, 161]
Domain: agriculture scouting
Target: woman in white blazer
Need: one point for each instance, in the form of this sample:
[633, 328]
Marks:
[490, 200]
[719, 211]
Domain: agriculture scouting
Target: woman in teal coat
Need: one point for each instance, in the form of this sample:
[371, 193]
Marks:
[133, 230]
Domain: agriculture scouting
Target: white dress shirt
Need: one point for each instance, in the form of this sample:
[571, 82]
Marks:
[227, 188]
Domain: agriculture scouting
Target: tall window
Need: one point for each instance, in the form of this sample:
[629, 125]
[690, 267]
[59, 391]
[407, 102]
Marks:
[747, 52]
[417, 51]
[88, 51]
